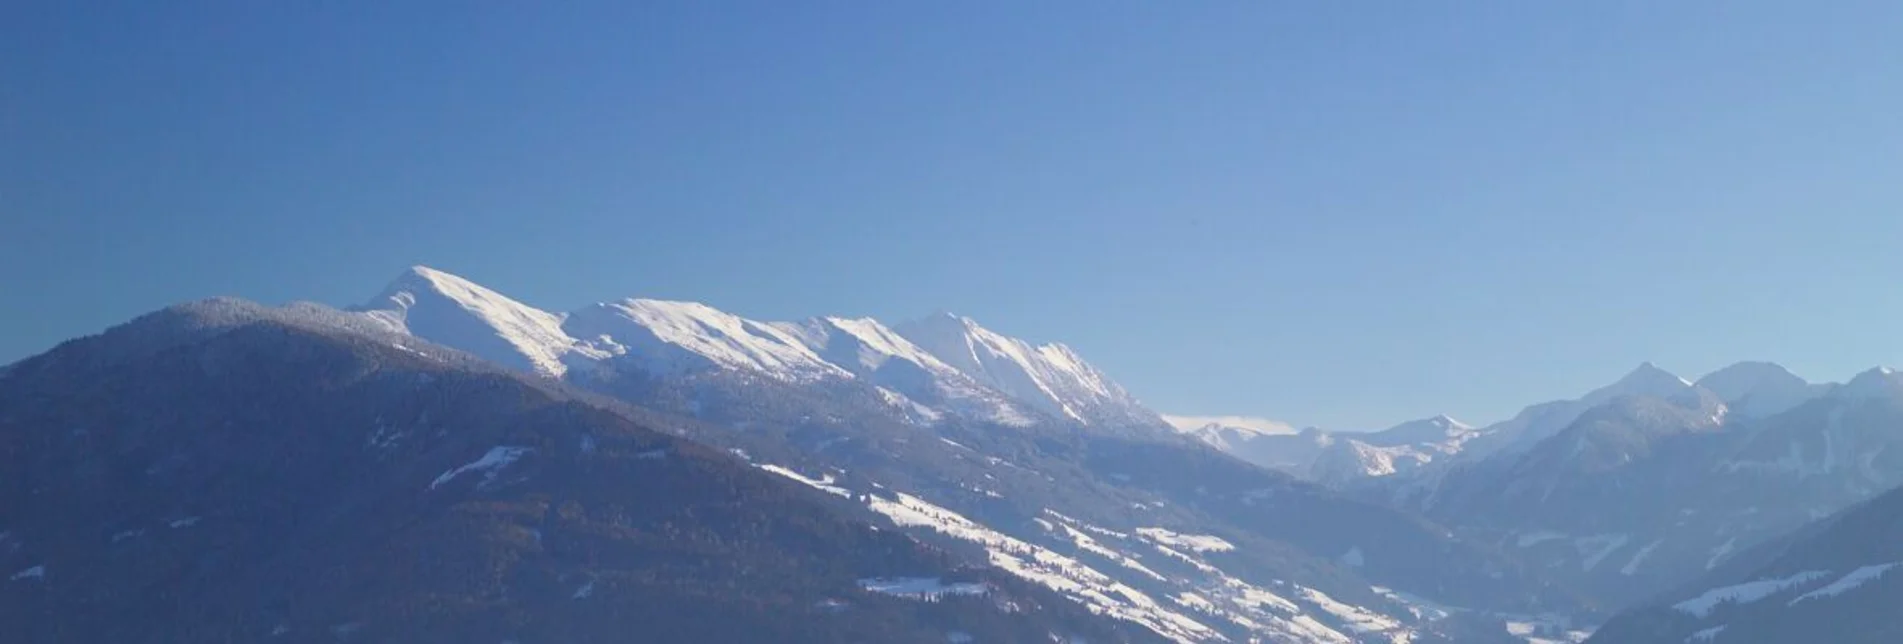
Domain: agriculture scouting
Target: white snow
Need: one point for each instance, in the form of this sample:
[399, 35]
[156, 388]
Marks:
[920, 587]
[584, 591]
[458, 313]
[183, 523]
[1631, 567]
[489, 465]
[1706, 635]
[823, 483]
[668, 337]
[1251, 424]
[1356, 618]
[1847, 582]
[1745, 593]
[36, 572]
[1196, 542]
[1719, 553]
[985, 376]
[1088, 544]
[1067, 576]
[1050, 377]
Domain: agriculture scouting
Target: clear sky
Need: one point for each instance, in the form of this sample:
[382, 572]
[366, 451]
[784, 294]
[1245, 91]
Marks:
[1334, 213]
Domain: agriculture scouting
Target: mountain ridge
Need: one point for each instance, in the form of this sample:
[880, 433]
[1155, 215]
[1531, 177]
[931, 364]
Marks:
[955, 364]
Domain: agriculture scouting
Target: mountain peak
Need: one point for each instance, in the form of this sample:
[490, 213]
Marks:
[1249, 424]
[1757, 388]
[1873, 383]
[1416, 432]
[1645, 380]
[451, 310]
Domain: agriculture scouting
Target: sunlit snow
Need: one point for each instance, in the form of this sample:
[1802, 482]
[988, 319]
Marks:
[1196, 542]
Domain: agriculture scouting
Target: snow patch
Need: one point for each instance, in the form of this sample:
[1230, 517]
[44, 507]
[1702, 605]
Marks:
[1631, 567]
[489, 465]
[824, 483]
[920, 587]
[1847, 582]
[1097, 591]
[36, 572]
[1745, 593]
[1596, 548]
[1196, 542]
[1706, 635]
[1355, 618]
[1719, 553]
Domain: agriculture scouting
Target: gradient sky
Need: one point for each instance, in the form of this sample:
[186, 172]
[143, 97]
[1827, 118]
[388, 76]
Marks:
[1345, 214]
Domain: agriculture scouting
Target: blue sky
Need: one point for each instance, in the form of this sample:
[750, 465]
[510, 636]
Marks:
[1344, 214]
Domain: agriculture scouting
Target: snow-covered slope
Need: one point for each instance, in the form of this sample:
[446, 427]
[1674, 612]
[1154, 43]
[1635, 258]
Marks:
[992, 377]
[674, 337]
[1050, 377]
[456, 312]
[870, 350]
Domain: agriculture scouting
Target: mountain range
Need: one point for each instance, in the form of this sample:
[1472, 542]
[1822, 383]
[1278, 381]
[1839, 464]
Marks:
[1634, 486]
[1037, 480]
[444, 461]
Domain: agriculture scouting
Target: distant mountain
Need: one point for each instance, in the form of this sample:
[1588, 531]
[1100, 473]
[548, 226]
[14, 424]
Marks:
[1647, 489]
[1837, 580]
[1249, 424]
[222, 471]
[1758, 389]
[1334, 458]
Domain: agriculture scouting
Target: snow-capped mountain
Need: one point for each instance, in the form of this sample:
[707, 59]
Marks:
[1239, 424]
[299, 478]
[1050, 377]
[1439, 430]
[1335, 458]
[1539, 422]
[1269, 443]
[967, 437]
[1647, 489]
[456, 312]
[943, 364]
